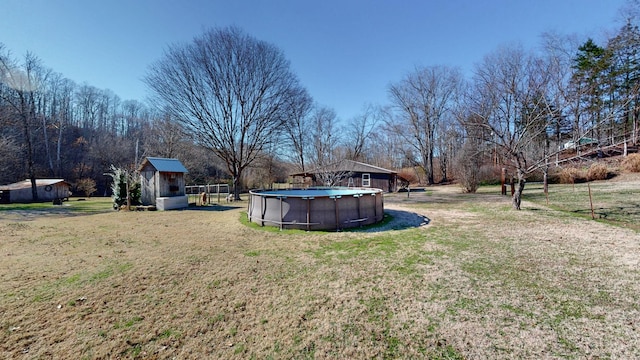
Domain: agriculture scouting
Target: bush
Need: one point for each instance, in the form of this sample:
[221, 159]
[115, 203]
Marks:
[409, 174]
[571, 176]
[87, 186]
[597, 171]
[631, 163]
[468, 169]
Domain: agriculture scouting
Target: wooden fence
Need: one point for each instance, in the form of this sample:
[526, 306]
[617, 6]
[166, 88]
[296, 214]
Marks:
[212, 193]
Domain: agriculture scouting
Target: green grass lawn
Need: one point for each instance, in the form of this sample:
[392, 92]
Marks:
[614, 203]
[480, 281]
[75, 205]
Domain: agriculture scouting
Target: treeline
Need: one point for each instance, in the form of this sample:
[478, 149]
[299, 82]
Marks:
[51, 127]
[519, 109]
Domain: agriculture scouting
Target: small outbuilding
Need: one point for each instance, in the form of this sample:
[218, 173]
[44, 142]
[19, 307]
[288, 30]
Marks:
[162, 183]
[48, 190]
[351, 173]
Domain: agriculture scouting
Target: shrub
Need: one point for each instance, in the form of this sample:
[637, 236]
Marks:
[597, 171]
[87, 186]
[119, 187]
[631, 163]
[409, 174]
[571, 176]
[469, 169]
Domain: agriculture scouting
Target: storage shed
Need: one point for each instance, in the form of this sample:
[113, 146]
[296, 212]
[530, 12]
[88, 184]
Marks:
[162, 183]
[48, 190]
[354, 174]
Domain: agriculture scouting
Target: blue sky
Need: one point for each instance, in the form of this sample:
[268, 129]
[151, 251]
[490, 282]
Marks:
[345, 52]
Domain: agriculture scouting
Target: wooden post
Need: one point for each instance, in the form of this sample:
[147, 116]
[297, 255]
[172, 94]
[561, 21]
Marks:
[503, 180]
[593, 215]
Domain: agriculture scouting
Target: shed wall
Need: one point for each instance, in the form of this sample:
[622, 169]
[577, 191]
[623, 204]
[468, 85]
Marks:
[58, 191]
[171, 184]
[386, 182]
[147, 187]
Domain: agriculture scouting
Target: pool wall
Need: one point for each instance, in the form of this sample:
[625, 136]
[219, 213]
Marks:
[316, 209]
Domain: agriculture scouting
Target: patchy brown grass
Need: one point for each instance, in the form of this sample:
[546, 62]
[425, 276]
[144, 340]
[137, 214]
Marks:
[480, 281]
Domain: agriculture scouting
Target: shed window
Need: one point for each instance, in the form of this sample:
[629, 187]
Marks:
[366, 180]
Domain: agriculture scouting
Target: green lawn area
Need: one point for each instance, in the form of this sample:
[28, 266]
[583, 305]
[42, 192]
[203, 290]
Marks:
[613, 203]
[74, 205]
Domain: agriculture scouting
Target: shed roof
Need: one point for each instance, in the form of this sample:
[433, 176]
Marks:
[164, 165]
[348, 166]
[27, 184]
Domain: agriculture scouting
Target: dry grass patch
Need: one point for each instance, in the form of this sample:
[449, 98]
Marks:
[480, 281]
[632, 163]
[597, 171]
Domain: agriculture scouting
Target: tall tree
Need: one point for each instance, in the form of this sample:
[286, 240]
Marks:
[325, 136]
[359, 131]
[229, 90]
[422, 100]
[591, 65]
[625, 60]
[298, 126]
[20, 89]
[509, 100]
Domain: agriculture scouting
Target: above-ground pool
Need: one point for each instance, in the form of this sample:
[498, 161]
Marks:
[316, 208]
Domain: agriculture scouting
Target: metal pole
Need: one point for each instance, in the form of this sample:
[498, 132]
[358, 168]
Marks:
[261, 212]
[335, 201]
[281, 220]
[308, 213]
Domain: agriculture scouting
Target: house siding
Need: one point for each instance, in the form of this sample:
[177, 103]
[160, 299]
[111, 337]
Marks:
[386, 182]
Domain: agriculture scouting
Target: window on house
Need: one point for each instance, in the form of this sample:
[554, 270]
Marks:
[366, 180]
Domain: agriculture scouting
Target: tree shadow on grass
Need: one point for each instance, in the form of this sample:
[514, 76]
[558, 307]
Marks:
[213, 207]
[398, 220]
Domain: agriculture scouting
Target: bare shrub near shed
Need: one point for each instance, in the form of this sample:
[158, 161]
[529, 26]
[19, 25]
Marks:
[631, 163]
[410, 175]
[86, 186]
[597, 171]
[469, 169]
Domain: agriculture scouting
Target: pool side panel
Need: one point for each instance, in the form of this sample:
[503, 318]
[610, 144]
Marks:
[318, 213]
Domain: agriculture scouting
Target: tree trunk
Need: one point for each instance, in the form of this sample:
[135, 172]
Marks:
[236, 187]
[517, 195]
[128, 194]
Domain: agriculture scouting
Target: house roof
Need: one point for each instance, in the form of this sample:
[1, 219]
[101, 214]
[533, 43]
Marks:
[164, 165]
[348, 166]
[27, 184]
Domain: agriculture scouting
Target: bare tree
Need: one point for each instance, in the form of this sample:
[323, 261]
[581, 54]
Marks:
[229, 91]
[422, 99]
[359, 132]
[298, 126]
[326, 138]
[513, 101]
[19, 90]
